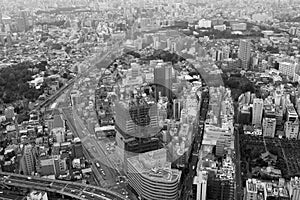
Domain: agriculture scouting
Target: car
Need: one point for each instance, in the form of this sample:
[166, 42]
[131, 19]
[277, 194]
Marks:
[98, 164]
[29, 178]
[124, 192]
[83, 196]
[102, 194]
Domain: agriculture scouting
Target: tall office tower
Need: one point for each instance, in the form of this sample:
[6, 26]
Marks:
[269, 127]
[294, 188]
[163, 79]
[291, 126]
[200, 186]
[176, 109]
[244, 53]
[151, 176]
[137, 127]
[278, 96]
[257, 111]
[28, 160]
[77, 148]
[251, 189]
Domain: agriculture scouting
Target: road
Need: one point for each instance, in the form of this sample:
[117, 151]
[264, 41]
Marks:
[192, 167]
[96, 153]
[238, 178]
[71, 189]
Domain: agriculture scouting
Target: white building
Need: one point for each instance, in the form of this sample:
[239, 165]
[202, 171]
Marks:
[203, 23]
[201, 184]
[35, 195]
[220, 27]
[257, 111]
[289, 69]
[294, 188]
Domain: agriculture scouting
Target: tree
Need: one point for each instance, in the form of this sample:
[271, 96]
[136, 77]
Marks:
[2, 81]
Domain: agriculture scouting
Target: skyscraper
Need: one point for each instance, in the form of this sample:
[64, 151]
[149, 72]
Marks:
[28, 160]
[137, 127]
[244, 53]
[294, 188]
[163, 79]
[200, 185]
[269, 127]
[257, 111]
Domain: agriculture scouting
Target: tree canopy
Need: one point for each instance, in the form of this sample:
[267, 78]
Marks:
[14, 82]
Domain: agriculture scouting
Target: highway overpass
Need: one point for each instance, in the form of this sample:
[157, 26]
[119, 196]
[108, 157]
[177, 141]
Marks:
[71, 189]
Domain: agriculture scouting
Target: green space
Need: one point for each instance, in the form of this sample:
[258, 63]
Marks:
[14, 84]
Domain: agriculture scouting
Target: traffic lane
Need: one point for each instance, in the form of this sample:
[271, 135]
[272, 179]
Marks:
[86, 142]
[72, 191]
[14, 182]
[109, 177]
[7, 196]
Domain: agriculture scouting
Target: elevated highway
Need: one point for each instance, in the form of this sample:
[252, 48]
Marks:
[71, 189]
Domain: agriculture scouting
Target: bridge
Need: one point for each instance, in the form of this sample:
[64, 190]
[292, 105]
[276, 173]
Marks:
[71, 189]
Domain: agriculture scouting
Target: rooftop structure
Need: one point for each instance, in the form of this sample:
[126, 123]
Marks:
[152, 177]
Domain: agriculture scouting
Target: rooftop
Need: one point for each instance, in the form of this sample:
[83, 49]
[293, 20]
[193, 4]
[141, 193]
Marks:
[154, 165]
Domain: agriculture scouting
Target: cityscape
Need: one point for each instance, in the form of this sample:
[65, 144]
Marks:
[150, 99]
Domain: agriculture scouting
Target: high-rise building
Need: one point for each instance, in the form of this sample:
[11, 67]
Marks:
[257, 111]
[58, 129]
[28, 160]
[77, 148]
[151, 176]
[220, 189]
[251, 189]
[244, 53]
[291, 129]
[163, 79]
[289, 69]
[140, 119]
[294, 188]
[137, 127]
[291, 113]
[200, 186]
[221, 137]
[269, 127]
[244, 115]
[176, 109]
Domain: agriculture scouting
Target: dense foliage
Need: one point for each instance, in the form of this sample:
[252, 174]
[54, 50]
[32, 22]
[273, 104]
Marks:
[14, 82]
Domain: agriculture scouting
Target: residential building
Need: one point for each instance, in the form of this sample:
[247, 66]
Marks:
[28, 160]
[244, 53]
